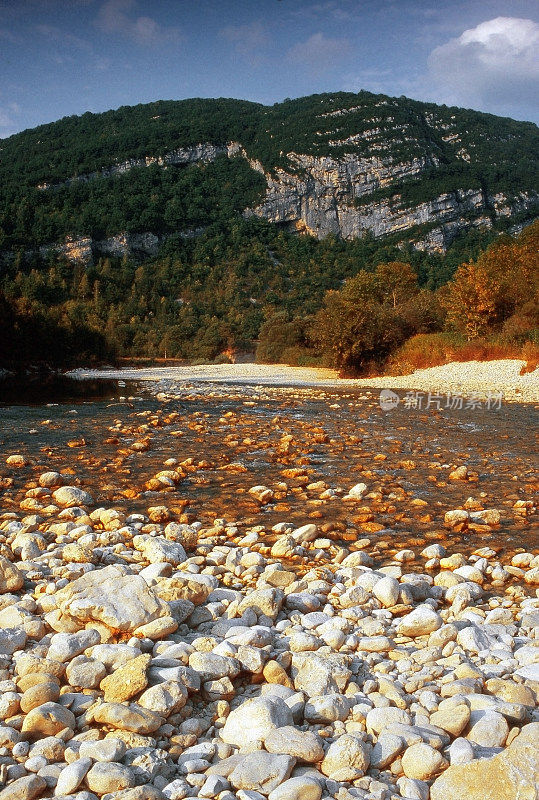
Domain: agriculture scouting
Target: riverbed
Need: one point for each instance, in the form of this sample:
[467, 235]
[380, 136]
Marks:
[308, 445]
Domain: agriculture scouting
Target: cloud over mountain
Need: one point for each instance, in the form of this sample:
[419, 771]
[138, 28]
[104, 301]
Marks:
[494, 64]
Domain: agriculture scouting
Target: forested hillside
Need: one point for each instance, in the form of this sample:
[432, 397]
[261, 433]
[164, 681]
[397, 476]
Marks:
[173, 227]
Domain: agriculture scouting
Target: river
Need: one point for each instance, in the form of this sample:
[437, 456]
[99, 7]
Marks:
[299, 443]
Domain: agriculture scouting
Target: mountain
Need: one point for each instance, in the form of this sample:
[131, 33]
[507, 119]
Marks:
[344, 164]
[173, 228]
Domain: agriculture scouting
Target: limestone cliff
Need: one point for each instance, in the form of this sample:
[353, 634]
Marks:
[321, 200]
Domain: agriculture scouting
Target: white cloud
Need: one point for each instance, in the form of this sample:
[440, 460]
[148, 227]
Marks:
[59, 36]
[493, 66]
[319, 51]
[116, 17]
[248, 38]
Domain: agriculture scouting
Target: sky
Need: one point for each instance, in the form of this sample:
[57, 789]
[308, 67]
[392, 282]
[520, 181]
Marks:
[63, 57]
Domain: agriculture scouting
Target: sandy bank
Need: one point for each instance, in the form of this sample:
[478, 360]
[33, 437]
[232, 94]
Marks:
[481, 377]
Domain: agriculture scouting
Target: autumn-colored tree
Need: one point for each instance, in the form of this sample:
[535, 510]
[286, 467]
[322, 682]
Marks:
[503, 284]
[471, 300]
[513, 264]
[359, 326]
[397, 282]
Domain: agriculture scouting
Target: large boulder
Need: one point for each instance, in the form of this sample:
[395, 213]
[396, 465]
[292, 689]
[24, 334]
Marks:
[71, 496]
[253, 720]
[112, 596]
[512, 774]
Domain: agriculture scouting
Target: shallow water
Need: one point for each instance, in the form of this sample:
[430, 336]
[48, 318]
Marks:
[403, 455]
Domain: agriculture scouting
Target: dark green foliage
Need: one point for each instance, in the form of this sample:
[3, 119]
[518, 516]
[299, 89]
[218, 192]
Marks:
[236, 279]
[456, 150]
[29, 336]
[282, 340]
[144, 199]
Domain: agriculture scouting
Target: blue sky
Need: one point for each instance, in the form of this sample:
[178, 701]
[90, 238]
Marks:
[62, 57]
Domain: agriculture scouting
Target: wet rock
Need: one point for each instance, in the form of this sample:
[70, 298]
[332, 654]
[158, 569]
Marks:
[70, 496]
[262, 494]
[358, 491]
[456, 517]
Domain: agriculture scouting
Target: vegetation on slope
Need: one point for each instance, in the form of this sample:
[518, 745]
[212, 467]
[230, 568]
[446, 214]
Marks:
[458, 149]
[241, 279]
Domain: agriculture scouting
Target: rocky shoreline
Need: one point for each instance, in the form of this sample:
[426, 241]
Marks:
[153, 656]
[481, 378]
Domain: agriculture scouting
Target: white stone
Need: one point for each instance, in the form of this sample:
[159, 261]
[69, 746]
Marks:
[347, 759]
[253, 720]
[72, 776]
[70, 496]
[419, 622]
[387, 591]
[461, 751]
[120, 600]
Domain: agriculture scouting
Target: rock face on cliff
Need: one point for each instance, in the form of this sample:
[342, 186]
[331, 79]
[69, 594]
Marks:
[322, 202]
[342, 164]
